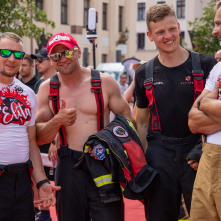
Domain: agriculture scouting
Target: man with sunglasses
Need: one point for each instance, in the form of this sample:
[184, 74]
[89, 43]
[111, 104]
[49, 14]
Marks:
[46, 69]
[44, 66]
[79, 199]
[18, 147]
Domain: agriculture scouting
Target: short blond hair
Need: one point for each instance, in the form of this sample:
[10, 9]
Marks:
[12, 36]
[157, 13]
[218, 5]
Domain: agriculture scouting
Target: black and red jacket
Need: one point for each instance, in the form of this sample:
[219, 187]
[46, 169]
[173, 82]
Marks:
[124, 162]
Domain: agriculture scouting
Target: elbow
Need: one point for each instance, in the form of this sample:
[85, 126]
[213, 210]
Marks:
[192, 126]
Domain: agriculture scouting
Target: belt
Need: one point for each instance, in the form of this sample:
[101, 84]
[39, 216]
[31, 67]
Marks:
[16, 168]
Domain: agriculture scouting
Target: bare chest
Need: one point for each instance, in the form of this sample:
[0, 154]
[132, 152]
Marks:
[81, 98]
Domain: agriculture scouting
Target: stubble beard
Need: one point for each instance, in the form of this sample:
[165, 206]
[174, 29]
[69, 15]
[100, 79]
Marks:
[3, 72]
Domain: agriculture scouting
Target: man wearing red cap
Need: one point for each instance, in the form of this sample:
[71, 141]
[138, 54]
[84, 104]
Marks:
[79, 198]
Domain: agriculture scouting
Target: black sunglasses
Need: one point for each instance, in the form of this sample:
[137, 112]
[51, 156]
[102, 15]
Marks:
[39, 60]
[6, 53]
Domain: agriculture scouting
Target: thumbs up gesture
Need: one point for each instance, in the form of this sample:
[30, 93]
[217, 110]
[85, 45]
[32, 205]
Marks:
[66, 117]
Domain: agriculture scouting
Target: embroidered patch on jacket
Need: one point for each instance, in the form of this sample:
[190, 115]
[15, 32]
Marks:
[99, 151]
[120, 131]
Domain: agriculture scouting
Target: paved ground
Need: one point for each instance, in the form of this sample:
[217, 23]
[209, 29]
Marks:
[134, 211]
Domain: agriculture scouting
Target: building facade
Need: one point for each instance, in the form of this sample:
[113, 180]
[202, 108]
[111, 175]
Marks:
[115, 19]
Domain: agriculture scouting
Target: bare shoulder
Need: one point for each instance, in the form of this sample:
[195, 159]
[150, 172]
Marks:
[109, 82]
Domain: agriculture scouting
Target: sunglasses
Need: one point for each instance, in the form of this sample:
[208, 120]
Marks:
[39, 60]
[67, 53]
[5, 53]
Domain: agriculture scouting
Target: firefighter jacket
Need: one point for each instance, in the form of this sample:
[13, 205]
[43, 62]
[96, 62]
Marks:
[121, 161]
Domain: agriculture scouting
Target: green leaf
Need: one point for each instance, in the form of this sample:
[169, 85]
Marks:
[21, 17]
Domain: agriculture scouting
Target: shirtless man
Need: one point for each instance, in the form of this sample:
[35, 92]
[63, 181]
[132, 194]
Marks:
[79, 198]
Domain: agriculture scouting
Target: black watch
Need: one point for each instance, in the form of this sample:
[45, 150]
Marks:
[39, 184]
[53, 142]
[198, 103]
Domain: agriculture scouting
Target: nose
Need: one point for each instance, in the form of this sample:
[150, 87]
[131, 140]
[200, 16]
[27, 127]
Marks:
[11, 57]
[167, 34]
[215, 31]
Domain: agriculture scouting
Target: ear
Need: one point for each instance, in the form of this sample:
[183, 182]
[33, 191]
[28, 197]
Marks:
[149, 36]
[32, 66]
[51, 62]
[79, 53]
[179, 28]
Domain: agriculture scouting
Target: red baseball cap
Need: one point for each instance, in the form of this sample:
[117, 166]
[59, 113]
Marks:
[61, 38]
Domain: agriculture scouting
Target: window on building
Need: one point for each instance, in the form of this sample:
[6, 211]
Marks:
[161, 2]
[141, 11]
[120, 19]
[181, 9]
[104, 16]
[140, 40]
[64, 12]
[39, 4]
[104, 58]
[86, 8]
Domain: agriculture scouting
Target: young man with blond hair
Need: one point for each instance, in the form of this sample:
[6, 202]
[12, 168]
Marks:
[205, 118]
[170, 141]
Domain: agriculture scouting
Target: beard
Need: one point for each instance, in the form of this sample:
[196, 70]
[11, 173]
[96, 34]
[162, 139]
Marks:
[3, 72]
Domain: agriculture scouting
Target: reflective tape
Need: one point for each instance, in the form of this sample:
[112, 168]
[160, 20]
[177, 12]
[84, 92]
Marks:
[86, 149]
[132, 126]
[103, 180]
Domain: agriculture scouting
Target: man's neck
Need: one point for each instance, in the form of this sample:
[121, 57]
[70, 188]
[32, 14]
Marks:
[6, 80]
[175, 58]
[73, 78]
[26, 79]
[48, 74]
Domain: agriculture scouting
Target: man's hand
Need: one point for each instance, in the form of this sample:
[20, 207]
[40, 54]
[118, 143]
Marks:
[91, 154]
[66, 117]
[52, 153]
[47, 195]
[214, 94]
[194, 164]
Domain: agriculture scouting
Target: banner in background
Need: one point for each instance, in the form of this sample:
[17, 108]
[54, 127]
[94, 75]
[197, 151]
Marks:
[128, 64]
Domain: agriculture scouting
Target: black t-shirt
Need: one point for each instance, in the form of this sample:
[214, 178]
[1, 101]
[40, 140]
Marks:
[37, 85]
[31, 83]
[173, 92]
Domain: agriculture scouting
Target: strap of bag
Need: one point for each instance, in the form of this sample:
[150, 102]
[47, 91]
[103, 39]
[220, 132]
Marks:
[148, 84]
[54, 97]
[97, 90]
[197, 74]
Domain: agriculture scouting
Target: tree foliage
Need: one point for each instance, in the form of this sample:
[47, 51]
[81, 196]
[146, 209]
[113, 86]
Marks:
[20, 17]
[202, 29]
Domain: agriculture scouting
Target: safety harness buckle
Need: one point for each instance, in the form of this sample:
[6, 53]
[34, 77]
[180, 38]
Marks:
[53, 95]
[198, 74]
[148, 83]
[95, 85]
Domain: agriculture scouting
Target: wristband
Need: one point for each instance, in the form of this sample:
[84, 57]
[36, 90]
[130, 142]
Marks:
[39, 184]
[198, 103]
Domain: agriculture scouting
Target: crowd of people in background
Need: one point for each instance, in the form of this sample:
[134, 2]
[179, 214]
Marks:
[56, 114]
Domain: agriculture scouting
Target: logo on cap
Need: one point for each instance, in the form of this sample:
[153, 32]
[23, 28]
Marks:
[59, 38]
